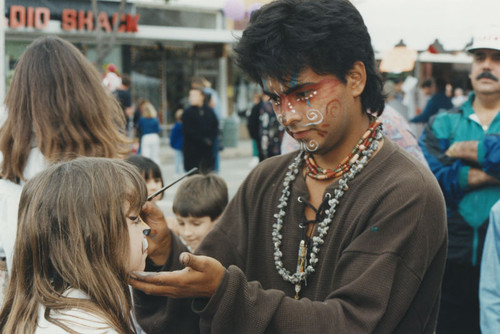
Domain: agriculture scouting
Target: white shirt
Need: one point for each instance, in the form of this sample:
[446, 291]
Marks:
[76, 319]
[10, 193]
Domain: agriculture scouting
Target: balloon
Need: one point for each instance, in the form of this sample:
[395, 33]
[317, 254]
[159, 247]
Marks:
[234, 9]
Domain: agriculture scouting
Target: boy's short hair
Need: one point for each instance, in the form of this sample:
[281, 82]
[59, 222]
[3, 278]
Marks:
[201, 195]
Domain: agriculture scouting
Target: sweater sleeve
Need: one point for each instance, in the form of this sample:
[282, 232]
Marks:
[158, 315]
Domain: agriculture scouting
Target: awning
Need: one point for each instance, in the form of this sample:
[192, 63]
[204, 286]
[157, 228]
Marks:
[400, 59]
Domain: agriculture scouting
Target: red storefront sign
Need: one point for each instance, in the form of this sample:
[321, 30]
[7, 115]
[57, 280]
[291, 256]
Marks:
[39, 18]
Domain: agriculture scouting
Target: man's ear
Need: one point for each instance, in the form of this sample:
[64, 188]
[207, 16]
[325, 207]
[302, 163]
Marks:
[356, 78]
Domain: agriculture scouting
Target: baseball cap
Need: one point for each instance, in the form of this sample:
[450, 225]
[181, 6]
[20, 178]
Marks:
[488, 38]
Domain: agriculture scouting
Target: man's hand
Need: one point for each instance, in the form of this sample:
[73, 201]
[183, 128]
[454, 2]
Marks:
[201, 277]
[466, 150]
[160, 239]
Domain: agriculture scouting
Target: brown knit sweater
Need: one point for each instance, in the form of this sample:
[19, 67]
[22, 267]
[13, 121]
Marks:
[379, 270]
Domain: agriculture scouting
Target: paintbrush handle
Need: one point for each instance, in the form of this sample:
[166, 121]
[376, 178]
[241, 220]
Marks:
[192, 171]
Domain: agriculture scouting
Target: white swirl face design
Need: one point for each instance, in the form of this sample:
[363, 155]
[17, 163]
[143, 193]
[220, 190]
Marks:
[314, 116]
[311, 145]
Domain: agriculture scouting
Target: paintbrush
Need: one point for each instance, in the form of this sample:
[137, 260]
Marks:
[192, 171]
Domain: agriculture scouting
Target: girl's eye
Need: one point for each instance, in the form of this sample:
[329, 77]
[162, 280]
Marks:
[135, 220]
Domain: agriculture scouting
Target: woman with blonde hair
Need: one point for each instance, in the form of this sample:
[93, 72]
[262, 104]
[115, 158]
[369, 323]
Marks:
[149, 127]
[79, 237]
[57, 109]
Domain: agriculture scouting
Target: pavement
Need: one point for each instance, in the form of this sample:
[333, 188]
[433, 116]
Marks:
[235, 164]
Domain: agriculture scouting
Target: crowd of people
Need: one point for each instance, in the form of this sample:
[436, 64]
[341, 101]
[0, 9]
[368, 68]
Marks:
[349, 223]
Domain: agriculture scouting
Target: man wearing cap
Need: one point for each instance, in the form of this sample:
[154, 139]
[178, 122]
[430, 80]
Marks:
[462, 147]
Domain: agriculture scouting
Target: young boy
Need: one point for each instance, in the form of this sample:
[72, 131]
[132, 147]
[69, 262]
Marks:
[198, 204]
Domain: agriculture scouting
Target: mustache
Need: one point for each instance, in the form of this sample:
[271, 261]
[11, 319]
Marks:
[487, 75]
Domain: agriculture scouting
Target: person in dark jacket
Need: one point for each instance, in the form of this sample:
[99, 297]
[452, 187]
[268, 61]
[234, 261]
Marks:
[200, 128]
[438, 101]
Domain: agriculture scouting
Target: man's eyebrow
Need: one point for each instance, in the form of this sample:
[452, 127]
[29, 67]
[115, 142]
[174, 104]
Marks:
[292, 89]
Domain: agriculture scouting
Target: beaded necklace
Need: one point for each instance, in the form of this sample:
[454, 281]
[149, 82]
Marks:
[318, 173]
[304, 267]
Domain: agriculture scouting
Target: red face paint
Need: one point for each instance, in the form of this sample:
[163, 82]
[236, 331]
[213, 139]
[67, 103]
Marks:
[309, 109]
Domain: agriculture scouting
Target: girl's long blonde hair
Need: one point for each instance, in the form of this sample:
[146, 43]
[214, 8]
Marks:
[148, 110]
[57, 102]
[72, 233]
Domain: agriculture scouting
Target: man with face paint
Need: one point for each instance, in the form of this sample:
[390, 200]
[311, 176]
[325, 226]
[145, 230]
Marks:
[346, 235]
[462, 148]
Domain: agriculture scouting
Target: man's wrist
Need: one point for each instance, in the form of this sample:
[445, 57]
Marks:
[478, 178]
[161, 254]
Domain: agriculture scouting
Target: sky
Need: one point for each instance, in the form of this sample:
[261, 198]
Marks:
[420, 22]
[417, 22]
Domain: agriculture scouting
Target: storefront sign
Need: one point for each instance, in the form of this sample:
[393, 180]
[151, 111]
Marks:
[39, 18]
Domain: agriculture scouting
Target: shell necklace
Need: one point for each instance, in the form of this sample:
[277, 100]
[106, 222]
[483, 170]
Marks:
[306, 267]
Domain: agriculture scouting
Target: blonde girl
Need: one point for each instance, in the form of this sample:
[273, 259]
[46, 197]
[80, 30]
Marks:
[149, 127]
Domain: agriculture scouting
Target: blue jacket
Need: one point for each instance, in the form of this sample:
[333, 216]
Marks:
[176, 136]
[489, 282]
[437, 102]
[148, 125]
[467, 209]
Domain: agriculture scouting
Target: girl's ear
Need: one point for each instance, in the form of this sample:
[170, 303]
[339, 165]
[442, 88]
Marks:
[356, 78]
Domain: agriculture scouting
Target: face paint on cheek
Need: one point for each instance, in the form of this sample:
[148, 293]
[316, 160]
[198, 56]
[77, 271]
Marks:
[314, 116]
[280, 118]
[312, 145]
[325, 126]
[333, 108]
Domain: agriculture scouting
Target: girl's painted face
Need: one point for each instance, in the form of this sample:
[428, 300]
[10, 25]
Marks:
[309, 107]
[153, 185]
[194, 229]
[138, 241]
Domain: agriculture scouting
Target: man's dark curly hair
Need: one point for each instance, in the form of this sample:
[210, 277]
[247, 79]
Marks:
[329, 36]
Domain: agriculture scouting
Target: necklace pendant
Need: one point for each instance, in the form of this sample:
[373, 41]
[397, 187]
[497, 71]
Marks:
[301, 264]
[302, 260]
[298, 287]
